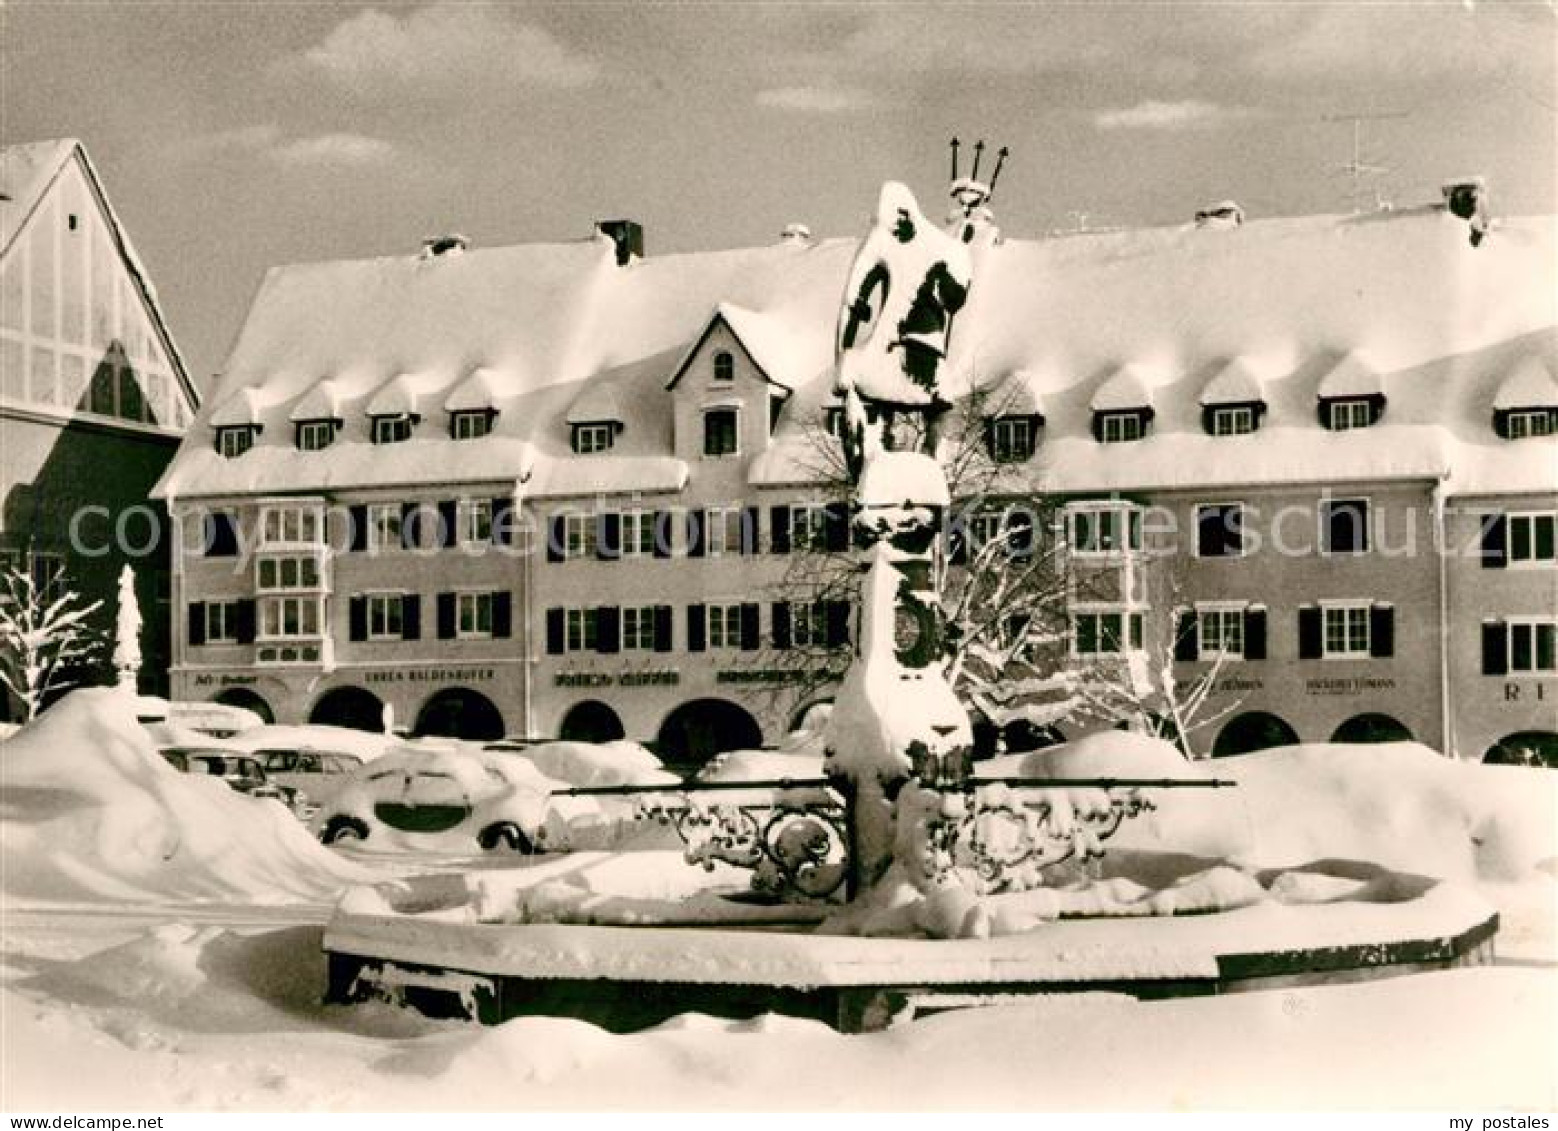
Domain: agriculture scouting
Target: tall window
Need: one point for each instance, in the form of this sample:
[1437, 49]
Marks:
[1344, 526]
[475, 522]
[724, 366]
[725, 530]
[808, 527]
[720, 432]
[291, 526]
[1220, 530]
[473, 615]
[383, 526]
[1521, 424]
[581, 630]
[809, 623]
[1349, 414]
[315, 435]
[1105, 528]
[590, 438]
[1220, 632]
[580, 534]
[284, 618]
[1346, 631]
[638, 628]
[1011, 439]
[386, 616]
[1233, 421]
[1533, 646]
[221, 622]
[288, 572]
[392, 429]
[1120, 427]
[1105, 633]
[724, 626]
[638, 534]
[471, 425]
[1531, 538]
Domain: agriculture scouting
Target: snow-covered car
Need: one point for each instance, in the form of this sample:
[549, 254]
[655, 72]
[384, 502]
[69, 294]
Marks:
[241, 772]
[448, 800]
[320, 773]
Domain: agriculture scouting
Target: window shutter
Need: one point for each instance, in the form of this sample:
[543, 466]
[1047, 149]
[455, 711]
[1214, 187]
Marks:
[1254, 634]
[1186, 638]
[1376, 408]
[446, 616]
[779, 529]
[357, 619]
[780, 611]
[1501, 424]
[410, 526]
[957, 540]
[1495, 541]
[359, 531]
[697, 628]
[1323, 411]
[663, 536]
[987, 430]
[502, 519]
[838, 624]
[555, 630]
[697, 522]
[448, 532]
[836, 527]
[750, 628]
[244, 621]
[1495, 648]
[197, 622]
[1309, 633]
[556, 538]
[751, 530]
[221, 531]
[502, 614]
[1382, 631]
[1098, 427]
[608, 629]
[608, 536]
[663, 630]
[411, 616]
[1019, 541]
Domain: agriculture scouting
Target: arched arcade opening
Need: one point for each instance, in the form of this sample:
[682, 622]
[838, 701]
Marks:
[591, 721]
[349, 707]
[1525, 748]
[702, 728]
[1252, 731]
[459, 712]
[248, 701]
[1372, 728]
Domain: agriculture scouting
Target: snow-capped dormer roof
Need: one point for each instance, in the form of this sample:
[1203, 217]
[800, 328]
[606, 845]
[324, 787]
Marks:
[1232, 384]
[321, 402]
[1352, 376]
[396, 397]
[476, 393]
[1529, 385]
[240, 409]
[1018, 395]
[1126, 389]
[787, 356]
[595, 404]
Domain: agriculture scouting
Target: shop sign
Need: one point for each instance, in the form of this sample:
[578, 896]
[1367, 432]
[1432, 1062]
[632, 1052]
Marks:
[430, 675]
[663, 678]
[226, 680]
[775, 675]
[1355, 685]
[1233, 685]
[1525, 693]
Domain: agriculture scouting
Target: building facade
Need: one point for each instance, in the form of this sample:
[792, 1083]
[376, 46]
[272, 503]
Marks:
[93, 394]
[572, 490]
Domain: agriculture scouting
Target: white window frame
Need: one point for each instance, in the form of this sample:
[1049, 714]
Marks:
[808, 526]
[1005, 434]
[1331, 501]
[1128, 518]
[470, 424]
[1530, 519]
[382, 519]
[471, 608]
[1223, 614]
[581, 535]
[315, 435]
[279, 565]
[723, 624]
[291, 524]
[274, 609]
[589, 439]
[638, 628]
[720, 520]
[395, 429]
[581, 629]
[1233, 420]
[1348, 414]
[809, 624]
[1126, 614]
[221, 622]
[1534, 628]
[638, 534]
[234, 441]
[1244, 548]
[736, 433]
[1355, 646]
[473, 519]
[1522, 424]
[1125, 426]
[386, 616]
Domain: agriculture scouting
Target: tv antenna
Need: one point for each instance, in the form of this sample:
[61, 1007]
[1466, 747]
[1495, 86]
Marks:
[1357, 169]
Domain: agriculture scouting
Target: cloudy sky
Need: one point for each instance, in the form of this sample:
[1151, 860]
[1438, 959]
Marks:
[237, 135]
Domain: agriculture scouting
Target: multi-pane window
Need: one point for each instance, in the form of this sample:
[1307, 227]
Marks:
[724, 534]
[588, 438]
[638, 534]
[221, 622]
[233, 442]
[386, 616]
[1348, 414]
[724, 366]
[289, 617]
[1120, 427]
[809, 623]
[1344, 526]
[291, 526]
[315, 435]
[1220, 530]
[1220, 632]
[808, 527]
[1345, 631]
[638, 628]
[724, 626]
[1533, 646]
[470, 425]
[720, 432]
[1531, 538]
[1523, 423]
[581, 631]
[1233, 421]
[580, 533]
[1105, 528]
[391, 429]
[384, 520]
[474, 518]
[1105, 632]
[288, 572]
[473, 615]
[1011, 439]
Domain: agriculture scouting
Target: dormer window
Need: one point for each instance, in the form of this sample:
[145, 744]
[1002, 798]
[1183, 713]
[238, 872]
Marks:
[472, 424]
[1232, 421]
[233, 440]
[721, 432]
[1011, 438]
[1121, 427]
[316, 435]
[1343, 414]
[724, 367]
[393, 429]
[594, 437]
[1519, 424]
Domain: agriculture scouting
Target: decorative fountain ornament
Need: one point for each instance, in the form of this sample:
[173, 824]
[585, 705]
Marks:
[127, 633]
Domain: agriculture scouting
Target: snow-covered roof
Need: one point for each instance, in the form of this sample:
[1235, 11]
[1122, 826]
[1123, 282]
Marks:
[1017, 395]
[786, 354]
[1232, 384]
[475, 393]
[1529, 385]
[322, 402]
[895, 479]
[595, 404]
[1126, 319]
[401, 396]
[244, 407]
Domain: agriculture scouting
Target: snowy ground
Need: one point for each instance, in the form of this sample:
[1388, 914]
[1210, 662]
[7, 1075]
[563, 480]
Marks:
[167, 934]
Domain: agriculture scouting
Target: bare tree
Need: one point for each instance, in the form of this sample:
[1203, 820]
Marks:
[44, 636]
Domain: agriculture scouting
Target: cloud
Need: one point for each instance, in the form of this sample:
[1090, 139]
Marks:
[443, 49]
[813, 99]
[1191, 114]
[315, 150]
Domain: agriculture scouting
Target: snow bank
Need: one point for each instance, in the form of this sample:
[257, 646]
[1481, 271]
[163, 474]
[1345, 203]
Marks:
[89, 811]
[361, 744]
[591, 764]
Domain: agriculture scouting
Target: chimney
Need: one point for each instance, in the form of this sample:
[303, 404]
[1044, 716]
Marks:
[1467, 198]
[628, 235]
[797, 234]
[1223, 214]
[439, 246]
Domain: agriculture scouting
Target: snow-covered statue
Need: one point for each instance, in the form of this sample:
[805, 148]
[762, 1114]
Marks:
[127, 632]
[970, 219]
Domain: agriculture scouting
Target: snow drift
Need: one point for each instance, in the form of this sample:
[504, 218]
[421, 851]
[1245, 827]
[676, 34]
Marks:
[90, 811]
